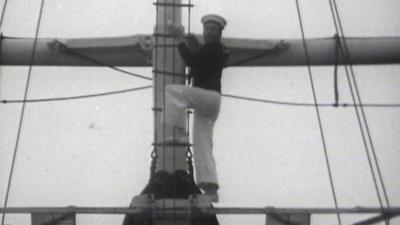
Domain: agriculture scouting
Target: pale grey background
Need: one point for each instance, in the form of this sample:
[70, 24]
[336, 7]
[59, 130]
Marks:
[95, 152]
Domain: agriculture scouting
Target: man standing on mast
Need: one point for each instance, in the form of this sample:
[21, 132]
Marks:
[206, 65]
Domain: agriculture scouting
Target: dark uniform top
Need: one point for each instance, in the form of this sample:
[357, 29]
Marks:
[205, 64]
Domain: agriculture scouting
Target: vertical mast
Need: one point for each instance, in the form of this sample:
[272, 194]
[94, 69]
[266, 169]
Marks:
[166, 62]
[169, 190]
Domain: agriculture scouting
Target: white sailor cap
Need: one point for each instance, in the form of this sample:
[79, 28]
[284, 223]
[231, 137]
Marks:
[214, 18]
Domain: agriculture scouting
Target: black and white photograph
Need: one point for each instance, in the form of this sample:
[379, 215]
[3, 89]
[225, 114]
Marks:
[199, 112]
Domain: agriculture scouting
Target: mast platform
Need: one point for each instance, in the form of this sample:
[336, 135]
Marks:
[193, 207]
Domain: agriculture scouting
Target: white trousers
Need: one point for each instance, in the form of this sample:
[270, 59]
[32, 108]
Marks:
[206, 106]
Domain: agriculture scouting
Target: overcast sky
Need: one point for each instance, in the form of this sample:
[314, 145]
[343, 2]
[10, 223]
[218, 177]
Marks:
[95, 152]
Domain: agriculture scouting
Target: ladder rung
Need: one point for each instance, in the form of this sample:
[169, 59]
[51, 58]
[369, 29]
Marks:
[165, 46]
[169, 73]
[163, 35]
[157, 109]
[172, 144]
[172, 4]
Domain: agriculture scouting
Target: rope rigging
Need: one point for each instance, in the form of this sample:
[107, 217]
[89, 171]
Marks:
[189, 153]
[351, 78]
[66, 49]
[335, 73]
[302, 104]
[317, 111]
[77, 97]
[154, 155]
[164, 80]
[22, 114]
[160, 109]
[305, 104]
[3, 12]
[238, 97]
[173, 81]
[164, 84]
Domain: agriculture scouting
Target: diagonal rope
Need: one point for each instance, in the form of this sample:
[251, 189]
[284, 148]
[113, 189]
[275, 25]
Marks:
[173, 129]
[234, 97]
[154, 154]
[3, 12]
[364, 117]
[72, 52]
[339, 27]
[67, 50]
[317, 110]
[164, 49]
[76, 97]
[21, 120]
[334, 10]
[305, 104]
[335, 73]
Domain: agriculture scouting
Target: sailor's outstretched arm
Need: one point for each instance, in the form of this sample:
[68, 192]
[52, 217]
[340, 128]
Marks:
[279, 47]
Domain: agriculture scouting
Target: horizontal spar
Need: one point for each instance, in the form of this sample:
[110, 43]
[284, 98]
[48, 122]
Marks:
[216, 210]
[137, 51]
[322, 51]
[18, 51]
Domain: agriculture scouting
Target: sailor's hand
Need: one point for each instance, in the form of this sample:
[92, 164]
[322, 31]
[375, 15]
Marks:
[281, 45]
[193, 43]
[175, 32]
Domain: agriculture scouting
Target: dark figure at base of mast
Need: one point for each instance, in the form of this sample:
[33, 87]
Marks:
[204, 97]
